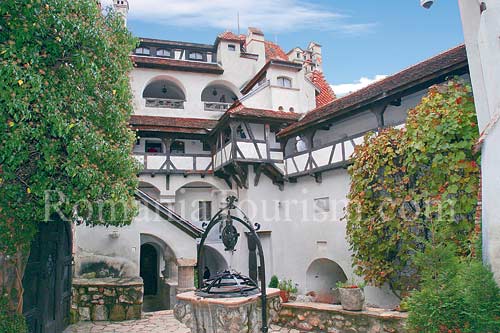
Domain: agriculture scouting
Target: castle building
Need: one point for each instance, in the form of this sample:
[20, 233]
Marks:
[243, 117]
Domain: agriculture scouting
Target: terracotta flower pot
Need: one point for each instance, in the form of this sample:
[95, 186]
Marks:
[285, 295]
[352, 299]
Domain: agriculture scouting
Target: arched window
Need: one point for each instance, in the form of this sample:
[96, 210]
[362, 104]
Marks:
[195, 56]
[217, 97]
[285, 82]
[164, 94]
[142, 51]
[163, 53]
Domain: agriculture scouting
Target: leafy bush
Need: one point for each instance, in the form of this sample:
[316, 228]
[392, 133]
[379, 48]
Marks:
[350, 284]
[457, 295]
[274, 282]
[287, 285]
[10, 322]
[404, 180]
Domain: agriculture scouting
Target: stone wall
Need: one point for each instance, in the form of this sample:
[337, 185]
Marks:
[113, 299]
[317, 317]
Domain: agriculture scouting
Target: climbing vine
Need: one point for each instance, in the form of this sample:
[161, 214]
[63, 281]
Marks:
[65, 102]
[404, 180]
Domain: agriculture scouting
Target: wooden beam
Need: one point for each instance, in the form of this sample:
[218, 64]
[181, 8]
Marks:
[258, 172]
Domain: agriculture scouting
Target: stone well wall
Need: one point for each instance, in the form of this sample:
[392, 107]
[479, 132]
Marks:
[317, 317]
[114, 299]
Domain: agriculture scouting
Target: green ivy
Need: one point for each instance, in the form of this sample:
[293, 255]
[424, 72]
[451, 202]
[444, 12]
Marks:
[10, 322]
[402, 180]
[65, 102]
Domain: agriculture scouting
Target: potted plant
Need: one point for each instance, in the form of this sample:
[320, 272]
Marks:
[286, 288]
[352, 296]
[274, 282]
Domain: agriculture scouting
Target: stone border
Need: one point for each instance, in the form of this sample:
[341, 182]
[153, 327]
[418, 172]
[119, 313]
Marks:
[108, 299]
[319, 317]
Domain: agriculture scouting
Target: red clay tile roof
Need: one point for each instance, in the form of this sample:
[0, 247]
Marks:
[274, 51]
[425, 73]
[239, 109]
[326, 94]
[180, 65]
[171, 124]
[229, 35]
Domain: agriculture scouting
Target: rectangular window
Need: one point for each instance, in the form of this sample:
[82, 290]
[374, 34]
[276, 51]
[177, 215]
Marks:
[231, 47]
[204, 210]
[153, 147]
[195, 56]
[322, 205]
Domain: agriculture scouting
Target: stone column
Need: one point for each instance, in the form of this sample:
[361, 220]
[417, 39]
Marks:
[186, 268]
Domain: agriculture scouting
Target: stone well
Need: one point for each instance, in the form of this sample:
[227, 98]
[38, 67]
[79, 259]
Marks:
[226, 315]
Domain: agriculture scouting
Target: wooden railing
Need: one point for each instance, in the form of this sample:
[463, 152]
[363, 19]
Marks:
[175, 163]
[164, 103]
[216, 106]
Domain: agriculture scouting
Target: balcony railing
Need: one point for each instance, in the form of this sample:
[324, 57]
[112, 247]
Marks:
[216, 106]
[175, 163]
[164, 103]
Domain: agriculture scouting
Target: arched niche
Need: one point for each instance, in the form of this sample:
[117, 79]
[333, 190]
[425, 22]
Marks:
[323, 275]
[218, 93]
[163, 89]
[214, 260]
[150, 190]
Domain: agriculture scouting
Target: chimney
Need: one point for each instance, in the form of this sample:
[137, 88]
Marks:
[255, 44]
[316, 57]
[121, 7]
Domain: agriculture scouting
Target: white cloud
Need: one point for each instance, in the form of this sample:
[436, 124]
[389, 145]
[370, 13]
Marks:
[346, 88]
[271, 16]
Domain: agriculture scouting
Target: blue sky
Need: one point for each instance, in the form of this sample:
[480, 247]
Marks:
[360, 38]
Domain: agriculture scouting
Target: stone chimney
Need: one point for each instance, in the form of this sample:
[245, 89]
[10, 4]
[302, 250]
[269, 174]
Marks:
[121, 7]
[255, 44]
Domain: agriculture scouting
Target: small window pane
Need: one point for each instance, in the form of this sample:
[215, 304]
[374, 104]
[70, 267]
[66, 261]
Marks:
[195, 56]
[204, 210]
[322, 205]
[153, 147]
[142, 50]
[163, 53]
[231, 47]
[284, 82]
[177, 147]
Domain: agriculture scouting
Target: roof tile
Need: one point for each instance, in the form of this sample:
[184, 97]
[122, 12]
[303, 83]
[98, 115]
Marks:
[433, 66]
[326, 94]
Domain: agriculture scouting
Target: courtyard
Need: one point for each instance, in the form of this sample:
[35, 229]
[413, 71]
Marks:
[152, 322]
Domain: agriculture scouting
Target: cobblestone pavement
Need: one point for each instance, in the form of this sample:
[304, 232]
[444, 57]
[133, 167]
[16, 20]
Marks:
[152, 322]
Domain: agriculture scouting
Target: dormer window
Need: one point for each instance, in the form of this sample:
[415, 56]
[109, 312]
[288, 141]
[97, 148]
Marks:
[142, 51]
[284, 82]
[231, 47]
[195, 56]
[298, 55]
[163, 53]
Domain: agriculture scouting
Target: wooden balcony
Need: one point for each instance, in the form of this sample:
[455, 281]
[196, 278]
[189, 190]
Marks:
[160, 163]
[164, 103]
[216, 106]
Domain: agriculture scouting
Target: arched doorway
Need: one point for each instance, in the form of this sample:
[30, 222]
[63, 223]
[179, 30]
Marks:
[323, 275]
[47, 279]
[149, 269]
[214, 260]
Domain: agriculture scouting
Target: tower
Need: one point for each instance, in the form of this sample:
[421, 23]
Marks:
[121, 7]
